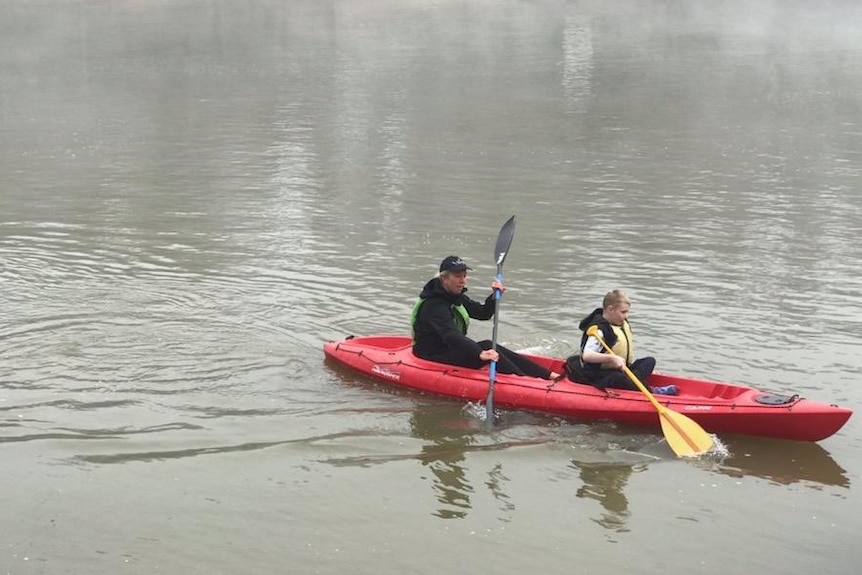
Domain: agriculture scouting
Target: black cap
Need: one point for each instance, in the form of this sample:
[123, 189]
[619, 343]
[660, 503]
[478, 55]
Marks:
[453, 264]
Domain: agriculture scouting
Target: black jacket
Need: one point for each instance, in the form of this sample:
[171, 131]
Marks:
[596, 318]
[435, 333]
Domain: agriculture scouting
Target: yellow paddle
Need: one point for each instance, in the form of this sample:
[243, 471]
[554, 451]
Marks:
[684, 436]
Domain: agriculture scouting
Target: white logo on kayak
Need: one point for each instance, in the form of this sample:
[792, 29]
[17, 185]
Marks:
[386, 372]
[698, 408]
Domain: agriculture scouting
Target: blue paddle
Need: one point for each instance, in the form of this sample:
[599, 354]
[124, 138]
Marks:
[504, 241]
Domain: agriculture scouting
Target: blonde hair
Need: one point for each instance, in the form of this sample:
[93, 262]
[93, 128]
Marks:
[615, 298]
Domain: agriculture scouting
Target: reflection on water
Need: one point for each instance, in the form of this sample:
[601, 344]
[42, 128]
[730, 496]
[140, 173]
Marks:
[605, 483]
[447, 439]
[604, 472]
[450, 441]
[608, 456]
[783, 462]
[495, 483]
[444, 456]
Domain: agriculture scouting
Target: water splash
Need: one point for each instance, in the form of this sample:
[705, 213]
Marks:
[476, 410]
[717, 453]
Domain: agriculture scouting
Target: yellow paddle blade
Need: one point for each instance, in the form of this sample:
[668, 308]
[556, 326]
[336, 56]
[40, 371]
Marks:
[684, 436]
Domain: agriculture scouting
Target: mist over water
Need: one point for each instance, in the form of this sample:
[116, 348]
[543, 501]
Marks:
[196, 195]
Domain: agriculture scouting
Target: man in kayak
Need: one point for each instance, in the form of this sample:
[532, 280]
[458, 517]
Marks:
[442, 315]
[602, 369]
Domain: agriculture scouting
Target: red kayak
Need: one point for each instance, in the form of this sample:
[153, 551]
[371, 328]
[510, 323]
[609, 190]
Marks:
[717, 407]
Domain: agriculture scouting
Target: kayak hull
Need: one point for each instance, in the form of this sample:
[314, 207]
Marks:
[717, 407]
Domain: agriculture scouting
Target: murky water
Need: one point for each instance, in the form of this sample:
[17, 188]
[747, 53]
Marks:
[196, 195]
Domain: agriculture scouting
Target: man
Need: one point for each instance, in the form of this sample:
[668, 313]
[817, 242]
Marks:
[442, 316]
